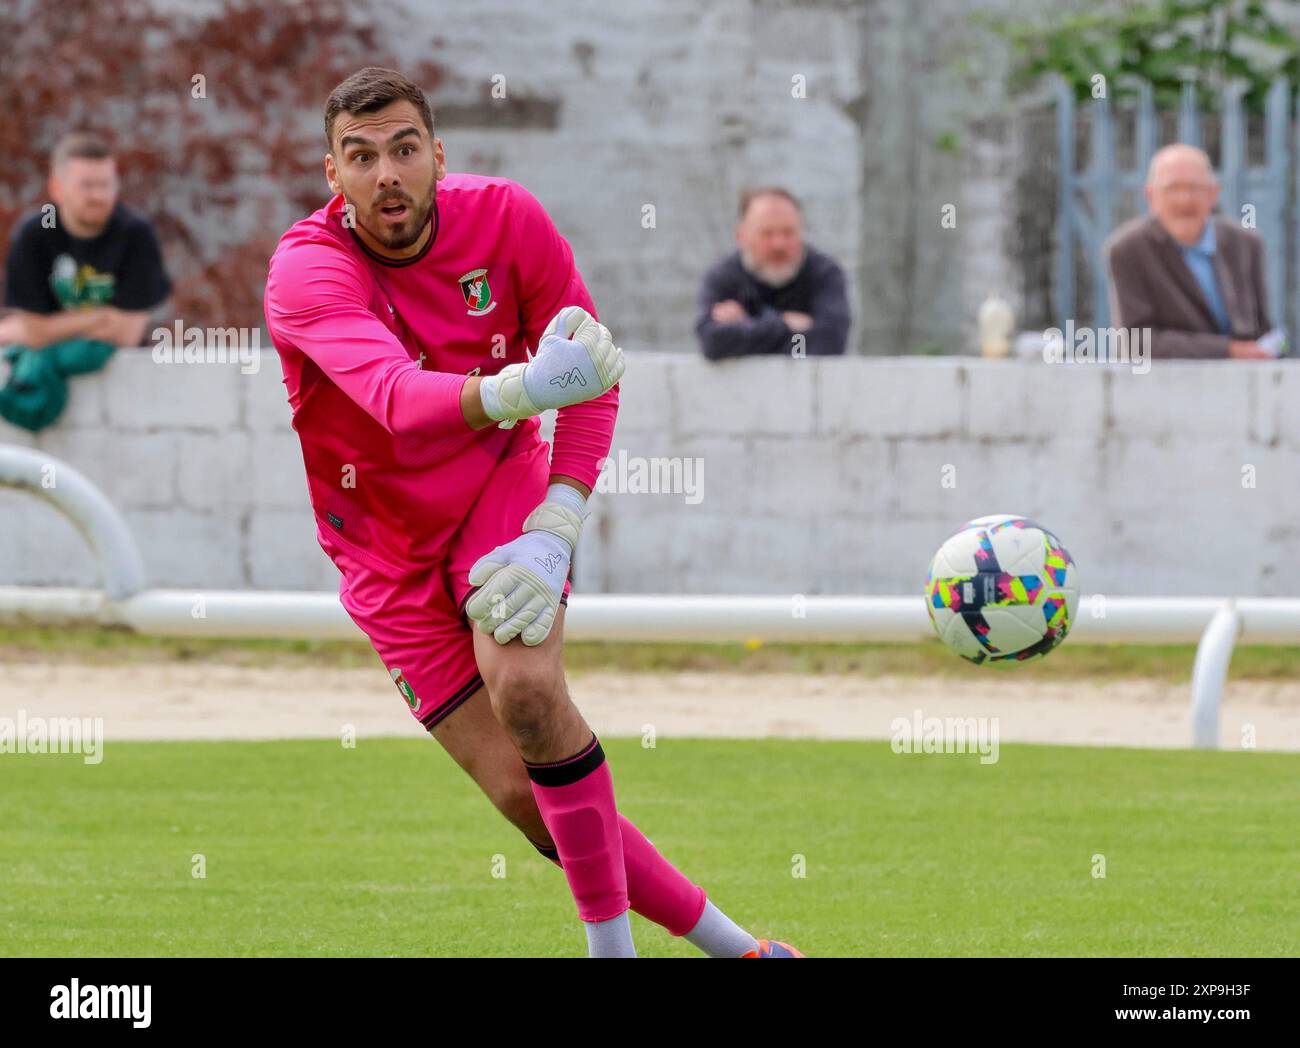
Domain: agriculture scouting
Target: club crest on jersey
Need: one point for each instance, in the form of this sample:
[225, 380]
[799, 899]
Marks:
[408, 693]
[476, 292]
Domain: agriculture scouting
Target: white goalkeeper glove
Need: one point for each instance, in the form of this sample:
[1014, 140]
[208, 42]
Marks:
[576, 360]
[521, 582]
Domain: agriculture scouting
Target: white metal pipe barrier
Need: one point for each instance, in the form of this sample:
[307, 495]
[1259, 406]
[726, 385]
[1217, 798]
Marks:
[1210, 673]
[68, 491]
[659, 618]
[1215, 624]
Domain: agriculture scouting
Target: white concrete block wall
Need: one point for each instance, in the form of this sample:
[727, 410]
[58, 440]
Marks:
[202, 463]
[818, 476]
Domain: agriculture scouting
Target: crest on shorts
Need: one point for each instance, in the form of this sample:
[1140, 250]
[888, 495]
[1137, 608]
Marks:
[408, 693]
[476, 291]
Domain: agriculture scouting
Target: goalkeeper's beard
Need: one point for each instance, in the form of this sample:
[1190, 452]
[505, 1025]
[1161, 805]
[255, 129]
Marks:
[406, 234]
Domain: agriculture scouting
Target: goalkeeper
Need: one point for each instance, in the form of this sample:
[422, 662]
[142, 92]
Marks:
[402, 311]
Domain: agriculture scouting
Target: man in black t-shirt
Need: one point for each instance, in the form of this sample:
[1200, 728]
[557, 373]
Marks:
[775, 294]
[86, 267]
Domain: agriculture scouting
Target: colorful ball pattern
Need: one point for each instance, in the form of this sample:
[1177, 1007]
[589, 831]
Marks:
[1002, 589]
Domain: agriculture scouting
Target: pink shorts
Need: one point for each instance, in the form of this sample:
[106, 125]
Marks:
[417, 625]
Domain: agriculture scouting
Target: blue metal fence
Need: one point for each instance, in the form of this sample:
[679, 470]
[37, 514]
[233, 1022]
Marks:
[1088, 199]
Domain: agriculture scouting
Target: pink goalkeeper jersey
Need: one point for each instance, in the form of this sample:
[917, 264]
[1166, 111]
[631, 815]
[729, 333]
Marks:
[375, 354]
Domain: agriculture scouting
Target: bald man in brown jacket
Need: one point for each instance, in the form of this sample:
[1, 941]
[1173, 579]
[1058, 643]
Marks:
[1195, 279]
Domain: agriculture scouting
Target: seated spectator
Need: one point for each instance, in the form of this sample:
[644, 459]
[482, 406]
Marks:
[1195, 279]
[92, 269]
[81, 279]
[772, 288]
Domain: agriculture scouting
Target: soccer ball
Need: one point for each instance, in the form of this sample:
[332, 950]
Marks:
[1002, 589]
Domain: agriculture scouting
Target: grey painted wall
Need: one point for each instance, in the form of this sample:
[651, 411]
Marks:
[817, 476]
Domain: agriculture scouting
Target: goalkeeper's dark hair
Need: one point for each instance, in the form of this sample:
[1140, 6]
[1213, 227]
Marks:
[368, 91]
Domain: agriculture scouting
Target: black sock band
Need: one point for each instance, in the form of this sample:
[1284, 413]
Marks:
[571, 769]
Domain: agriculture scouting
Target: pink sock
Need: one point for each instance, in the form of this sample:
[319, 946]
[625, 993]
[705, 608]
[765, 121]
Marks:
[657, 890]
[576, 799]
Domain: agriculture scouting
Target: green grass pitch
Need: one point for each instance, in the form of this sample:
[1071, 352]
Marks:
[388, 849]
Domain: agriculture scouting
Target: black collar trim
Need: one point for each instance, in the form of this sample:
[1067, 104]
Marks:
[398, 263]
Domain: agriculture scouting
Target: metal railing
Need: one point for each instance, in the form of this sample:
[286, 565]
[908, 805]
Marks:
[1215, 624]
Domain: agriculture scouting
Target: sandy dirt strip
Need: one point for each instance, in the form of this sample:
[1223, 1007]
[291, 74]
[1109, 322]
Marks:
[195, 700]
